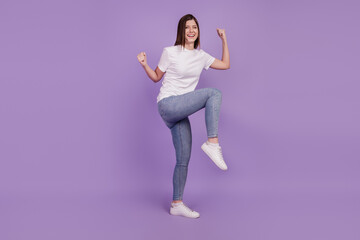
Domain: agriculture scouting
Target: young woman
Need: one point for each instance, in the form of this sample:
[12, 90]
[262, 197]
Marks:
[182, 65]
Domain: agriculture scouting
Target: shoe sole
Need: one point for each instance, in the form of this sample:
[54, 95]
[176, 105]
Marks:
[203, 147]
[179, 214]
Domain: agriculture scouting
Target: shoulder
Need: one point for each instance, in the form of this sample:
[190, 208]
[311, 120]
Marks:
[169, 51]
[171, 48]
[205, 54]
[201, 51]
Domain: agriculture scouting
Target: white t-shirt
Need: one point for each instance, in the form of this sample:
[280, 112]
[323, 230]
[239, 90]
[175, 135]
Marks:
[182, 69]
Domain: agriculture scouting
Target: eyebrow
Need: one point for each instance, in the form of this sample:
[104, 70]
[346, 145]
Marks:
[192, 25]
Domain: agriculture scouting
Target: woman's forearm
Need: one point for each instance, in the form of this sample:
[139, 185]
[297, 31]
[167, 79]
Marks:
[151, 73]
[225, 53]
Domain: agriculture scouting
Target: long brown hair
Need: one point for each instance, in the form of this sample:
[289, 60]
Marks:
[180, 38]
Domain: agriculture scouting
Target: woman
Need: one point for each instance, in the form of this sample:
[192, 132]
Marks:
[182, 65]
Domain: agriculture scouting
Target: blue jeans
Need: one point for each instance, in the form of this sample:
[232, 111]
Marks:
[175, 110]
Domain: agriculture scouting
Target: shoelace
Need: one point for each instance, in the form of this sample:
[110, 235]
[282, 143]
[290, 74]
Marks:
[219, 151]
[186, 207]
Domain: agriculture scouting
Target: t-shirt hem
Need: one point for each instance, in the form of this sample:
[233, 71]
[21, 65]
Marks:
[161, 69]
[212, 61]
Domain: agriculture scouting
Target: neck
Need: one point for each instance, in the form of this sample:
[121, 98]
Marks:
[189, 46]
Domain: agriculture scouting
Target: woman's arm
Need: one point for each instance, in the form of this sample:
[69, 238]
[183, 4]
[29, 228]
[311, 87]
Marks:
[156, 75]
[225, 62]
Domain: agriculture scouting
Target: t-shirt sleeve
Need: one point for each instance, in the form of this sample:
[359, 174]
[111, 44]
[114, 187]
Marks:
[208, 59]
[164, 61]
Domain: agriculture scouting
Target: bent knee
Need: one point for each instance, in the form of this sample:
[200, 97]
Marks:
[216, 92]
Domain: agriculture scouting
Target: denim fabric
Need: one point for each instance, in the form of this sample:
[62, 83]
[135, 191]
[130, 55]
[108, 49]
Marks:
[174, 111]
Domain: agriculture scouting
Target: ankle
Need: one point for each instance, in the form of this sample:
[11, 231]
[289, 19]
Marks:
[213, 140]
[212, 144]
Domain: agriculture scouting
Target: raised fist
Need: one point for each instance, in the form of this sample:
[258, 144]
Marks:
[142, 58]
[221, 33]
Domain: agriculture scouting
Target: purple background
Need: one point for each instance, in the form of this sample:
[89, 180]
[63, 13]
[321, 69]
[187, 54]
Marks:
[85, 155]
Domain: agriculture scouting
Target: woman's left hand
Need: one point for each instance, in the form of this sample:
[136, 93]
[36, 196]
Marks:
[221, 33]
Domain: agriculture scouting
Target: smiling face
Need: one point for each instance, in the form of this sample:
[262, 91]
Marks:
[188, 32]
[191, 31]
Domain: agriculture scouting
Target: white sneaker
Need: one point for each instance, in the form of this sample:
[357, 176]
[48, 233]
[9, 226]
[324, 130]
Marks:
[181, 209]
[215, 154]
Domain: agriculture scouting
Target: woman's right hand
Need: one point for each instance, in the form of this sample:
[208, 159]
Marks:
[142, 58]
